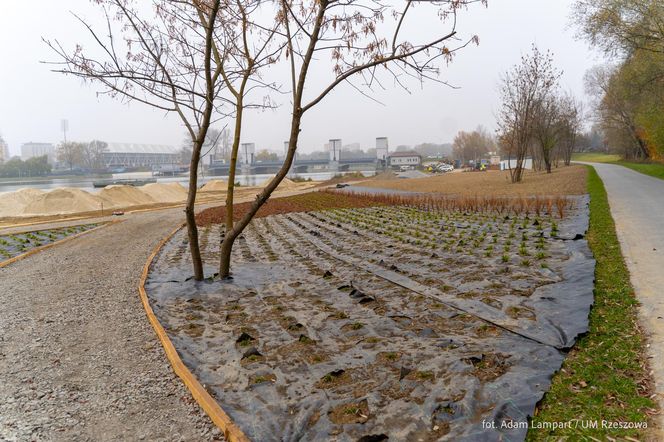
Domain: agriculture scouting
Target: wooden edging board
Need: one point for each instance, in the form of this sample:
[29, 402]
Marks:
[53, 244]
[231, 431]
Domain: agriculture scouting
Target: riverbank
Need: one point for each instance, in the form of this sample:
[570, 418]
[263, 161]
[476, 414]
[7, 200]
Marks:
[32, 204]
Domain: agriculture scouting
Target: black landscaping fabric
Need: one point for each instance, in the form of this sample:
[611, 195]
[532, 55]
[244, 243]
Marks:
[15, 244]
[381, 322]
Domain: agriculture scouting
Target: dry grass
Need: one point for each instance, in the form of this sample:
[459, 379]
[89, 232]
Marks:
[562, 181]
[306, 202]
[539, 205]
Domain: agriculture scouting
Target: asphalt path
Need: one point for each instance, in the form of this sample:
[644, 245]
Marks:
[637, 207]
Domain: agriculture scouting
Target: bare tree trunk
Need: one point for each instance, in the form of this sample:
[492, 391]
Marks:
[228, 238]
[190, 213]
[518, 169]
[236, 230]
[298, 88]
[546, 157]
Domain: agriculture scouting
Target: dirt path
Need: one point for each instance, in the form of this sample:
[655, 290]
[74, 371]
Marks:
[637, 206]
[78, 358]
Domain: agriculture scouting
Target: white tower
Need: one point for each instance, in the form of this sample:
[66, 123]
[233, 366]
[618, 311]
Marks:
[381, 148]
[335, 149]
[247, 152]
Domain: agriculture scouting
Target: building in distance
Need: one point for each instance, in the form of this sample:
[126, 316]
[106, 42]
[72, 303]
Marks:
[131, 155]
[4, 151]
[405, 159]
[32, 150]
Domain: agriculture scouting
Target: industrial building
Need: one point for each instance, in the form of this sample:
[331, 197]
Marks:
[140, 155]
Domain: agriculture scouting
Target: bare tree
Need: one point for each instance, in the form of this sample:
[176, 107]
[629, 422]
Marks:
[615, 110]
[246, 46]
[160, 53]
[570, 125]
[70, 153]
[362, 38]
[93, 154]
[522, 90]
[546, 129]
[472, 145]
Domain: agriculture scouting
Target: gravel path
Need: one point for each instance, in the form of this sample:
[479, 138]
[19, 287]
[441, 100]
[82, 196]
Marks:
[78, 358]
[637, 206]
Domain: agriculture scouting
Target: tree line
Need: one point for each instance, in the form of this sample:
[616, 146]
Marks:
[537, 119]
[628, 95]
[16, 167]
[87, 156]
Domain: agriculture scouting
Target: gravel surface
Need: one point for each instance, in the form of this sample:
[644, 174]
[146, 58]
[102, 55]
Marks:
[78, 358]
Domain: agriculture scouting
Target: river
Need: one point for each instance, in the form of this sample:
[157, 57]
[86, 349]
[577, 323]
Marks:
[85, 183]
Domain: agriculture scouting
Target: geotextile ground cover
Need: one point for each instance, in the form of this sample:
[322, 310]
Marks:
[376, 322]
[18, 243]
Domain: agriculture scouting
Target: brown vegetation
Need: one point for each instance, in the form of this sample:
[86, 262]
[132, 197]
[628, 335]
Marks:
[562, 181]
[503, 205]
[297, 203]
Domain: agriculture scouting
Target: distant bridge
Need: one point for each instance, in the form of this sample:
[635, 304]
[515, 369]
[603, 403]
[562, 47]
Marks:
[218, 168]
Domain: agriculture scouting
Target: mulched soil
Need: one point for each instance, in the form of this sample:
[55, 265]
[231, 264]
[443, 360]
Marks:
[358, 323]
[297, 203]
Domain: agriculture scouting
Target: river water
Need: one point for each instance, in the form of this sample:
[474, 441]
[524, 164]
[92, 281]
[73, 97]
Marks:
[85, 183]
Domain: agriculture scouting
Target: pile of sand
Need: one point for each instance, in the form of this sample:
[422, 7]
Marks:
[165, 193]
[124, 196]
[215, 186]
[63, 200]
[286, 184]
[13, 203]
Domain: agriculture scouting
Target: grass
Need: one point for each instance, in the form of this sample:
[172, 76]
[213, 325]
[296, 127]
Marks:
[652, 169]
[595, 157]
[603, 377]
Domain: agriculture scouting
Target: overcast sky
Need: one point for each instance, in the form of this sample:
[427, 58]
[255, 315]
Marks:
[33, 100]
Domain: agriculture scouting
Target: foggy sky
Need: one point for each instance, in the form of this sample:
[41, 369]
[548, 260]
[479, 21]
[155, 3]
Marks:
[33, 100]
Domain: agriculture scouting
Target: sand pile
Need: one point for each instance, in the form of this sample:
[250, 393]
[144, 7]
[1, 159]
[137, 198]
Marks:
[286, 184]
[165, 193]
[215, 186]
[124, 196]
[13, 203]
[63, 200]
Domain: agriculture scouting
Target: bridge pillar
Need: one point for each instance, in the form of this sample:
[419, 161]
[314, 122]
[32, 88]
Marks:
[245, 169]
